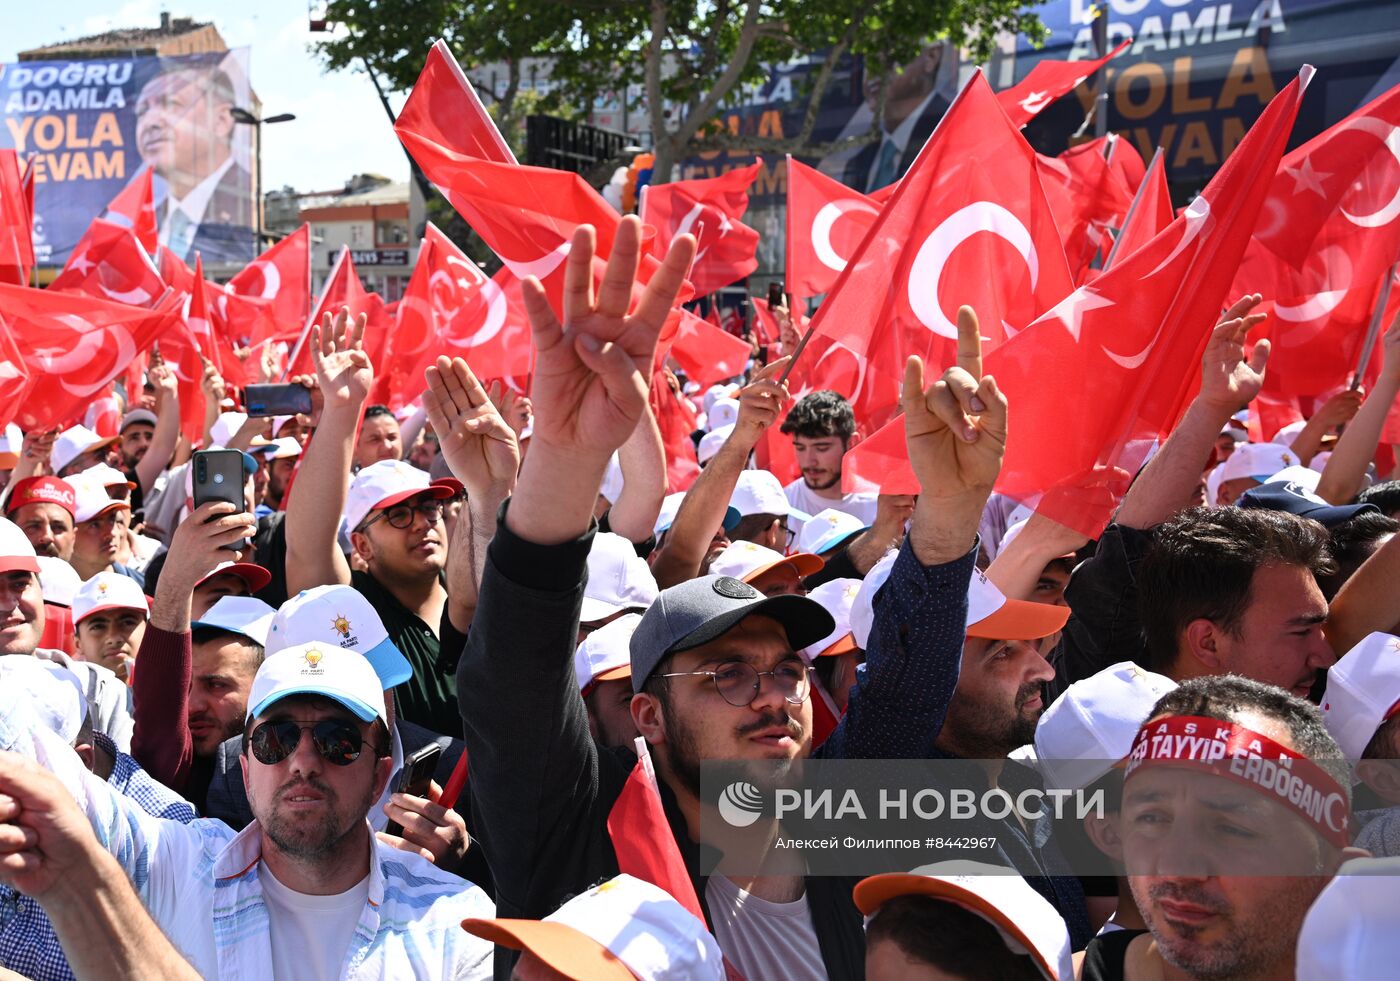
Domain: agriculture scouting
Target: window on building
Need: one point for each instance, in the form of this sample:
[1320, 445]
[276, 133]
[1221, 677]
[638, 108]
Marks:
[391, 232]
[357, 234]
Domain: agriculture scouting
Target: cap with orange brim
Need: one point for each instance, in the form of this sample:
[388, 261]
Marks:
[991, 616]
[747, 561]
[562, 947]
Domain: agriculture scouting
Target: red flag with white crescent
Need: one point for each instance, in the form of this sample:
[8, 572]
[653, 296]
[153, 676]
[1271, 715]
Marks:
[134, 207]
[342, 290]
[108, 262]
[279, 279]
[826, 221]
[1047, 81]
[709, 209]
[1088, 198]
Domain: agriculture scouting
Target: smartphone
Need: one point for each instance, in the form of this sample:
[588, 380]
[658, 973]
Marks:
[277, 400]
[775, 295]
[218, 476]
[414, 778]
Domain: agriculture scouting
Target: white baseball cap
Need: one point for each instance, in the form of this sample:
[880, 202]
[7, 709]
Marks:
[622, 930]
[725, 412]
[108, 591]
[226, 427]
[1349, 932]
[255, 577]
[52, 692]
[711, 442]
[1028, 924]
[836, 596]
[1258, 460]
[321, 669]
[1363, 691]
[58, 580]
[716, 392]
[105, 476]
[73, 443]
[1305, 477]
[1093, 723]
[1286, 435]
[91, 500]
[384, 484]
[990, 615]
[617, 579]
[826, 530]
[16, 551]
[11, 439]
[278, 422]
[282, 448]
[746, 561]
[339, 616]
[604, 654]
[759, 492]
[239, 615]
[671, 504]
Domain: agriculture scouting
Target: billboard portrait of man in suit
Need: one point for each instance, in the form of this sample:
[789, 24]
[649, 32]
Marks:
[185, 133]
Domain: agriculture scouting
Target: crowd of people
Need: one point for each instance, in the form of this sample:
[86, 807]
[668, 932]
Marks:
[503, 587]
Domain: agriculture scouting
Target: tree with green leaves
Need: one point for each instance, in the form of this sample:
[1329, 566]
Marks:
[693, 59]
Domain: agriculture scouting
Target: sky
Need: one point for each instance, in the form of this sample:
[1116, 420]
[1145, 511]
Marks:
[340, 130]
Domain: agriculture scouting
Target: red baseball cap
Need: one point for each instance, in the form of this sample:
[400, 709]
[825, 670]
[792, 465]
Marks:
[43, 490]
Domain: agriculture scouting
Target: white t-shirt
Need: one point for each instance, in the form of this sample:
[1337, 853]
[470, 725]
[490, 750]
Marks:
[860, 505]
[763, 939]
[310, 934]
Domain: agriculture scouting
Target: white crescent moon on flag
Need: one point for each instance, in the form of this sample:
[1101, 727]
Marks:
[1314, 307]
[89, 345]
[823, 223]
[272, 279]
[1197, 217]
[541, 267]
[687, 223]
[1390, 139]
[136, 297]
[495, 315]
[933, 254]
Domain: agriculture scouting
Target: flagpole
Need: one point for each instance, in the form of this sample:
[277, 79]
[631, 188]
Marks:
[1374, 330]
[1132, 209]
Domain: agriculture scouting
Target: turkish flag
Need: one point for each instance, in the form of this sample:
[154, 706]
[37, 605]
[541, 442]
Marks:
[206, 316]
[643, 840]
[1126, 162]
[74, 345]
[826, 221]
[15, 380]
[134, 207]
[1047, 81]
[526, 215]
[280, 279]
[1129, 344]
[969, 223]
[765, 324]
[104, 415]
[108, 262]
[675, 418]
[707, 353]
[16, 223]
[450, 308]
[342, 289]
[1151, 211]
[1087, 197]
[173, 270]
[1342, 186]
[709, 209]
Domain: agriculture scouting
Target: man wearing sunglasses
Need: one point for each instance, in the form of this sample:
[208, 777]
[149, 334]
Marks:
[307, 890]
[714, 668]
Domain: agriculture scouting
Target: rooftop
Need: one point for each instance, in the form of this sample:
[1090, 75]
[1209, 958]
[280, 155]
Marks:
[122, 38]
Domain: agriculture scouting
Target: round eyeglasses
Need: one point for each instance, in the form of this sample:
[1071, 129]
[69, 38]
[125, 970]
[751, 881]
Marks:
[738, 681]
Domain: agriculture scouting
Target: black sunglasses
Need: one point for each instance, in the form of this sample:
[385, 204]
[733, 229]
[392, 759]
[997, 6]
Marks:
[339, 743]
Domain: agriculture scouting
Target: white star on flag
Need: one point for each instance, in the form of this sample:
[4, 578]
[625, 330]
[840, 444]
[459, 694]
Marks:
[1307, 179]
[1035, 102]
[1070, 311]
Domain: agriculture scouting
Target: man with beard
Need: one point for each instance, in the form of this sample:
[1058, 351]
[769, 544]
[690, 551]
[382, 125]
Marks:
[821, 425]
[44, 508]
[281, 461]
[148, 436]
[306, 890]
[1235, 815]
[714, 668]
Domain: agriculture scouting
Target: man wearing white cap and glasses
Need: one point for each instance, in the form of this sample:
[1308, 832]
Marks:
[305, 891]
[78, 448]
[422, 586]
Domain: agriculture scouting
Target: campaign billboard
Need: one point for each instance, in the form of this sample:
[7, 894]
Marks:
[90, 127]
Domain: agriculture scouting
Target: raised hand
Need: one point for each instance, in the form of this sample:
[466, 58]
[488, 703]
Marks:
[955, 429]
[478, 444]
[761, 402]
[592, 371]
[343, 371]
[1227, 379]
[514, 407]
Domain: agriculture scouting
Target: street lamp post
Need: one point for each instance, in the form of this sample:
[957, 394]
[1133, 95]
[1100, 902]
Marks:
[246, 118]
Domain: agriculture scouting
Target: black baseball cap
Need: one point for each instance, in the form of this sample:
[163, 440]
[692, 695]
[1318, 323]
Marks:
[1297, 499]
[699, 610]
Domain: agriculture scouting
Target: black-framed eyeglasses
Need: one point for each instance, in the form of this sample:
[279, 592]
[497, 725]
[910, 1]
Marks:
[790, 533]
[339, 743]
[738, 681]
[401, 516]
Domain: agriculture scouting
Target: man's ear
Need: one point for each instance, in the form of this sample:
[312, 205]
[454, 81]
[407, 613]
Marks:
[84, 751]
[649, 717]
[1382, 776]
[1103, 832]
[359, 541]
[383, 769]
[1203, 640]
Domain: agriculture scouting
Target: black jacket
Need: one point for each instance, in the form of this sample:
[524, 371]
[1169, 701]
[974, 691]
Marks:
[542, 789]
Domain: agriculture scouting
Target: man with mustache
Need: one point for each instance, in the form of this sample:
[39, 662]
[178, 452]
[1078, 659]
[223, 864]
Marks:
[44, 509]
[714, 668]
[1224, 860]
[821, 425]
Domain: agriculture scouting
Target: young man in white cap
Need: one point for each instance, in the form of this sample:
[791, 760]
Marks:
[22, 626]
[1361, 708]
[109, 620]
[281, 459]
[714, 666]
[961, 920]
[835, 657]
[306, 890]
[422, 586]
[99, 532]
[821, 425]
[603, 668]
[1222, 865]
[624, 929]
[78, 448]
